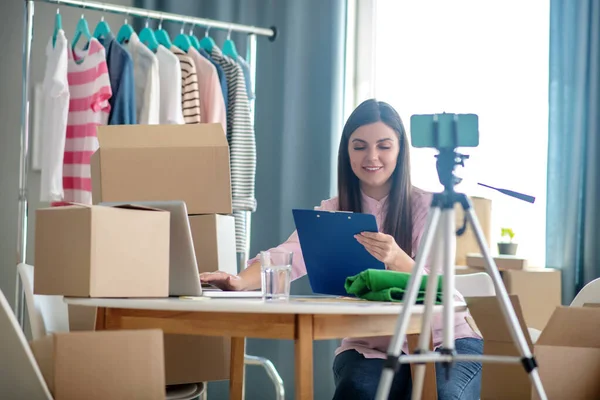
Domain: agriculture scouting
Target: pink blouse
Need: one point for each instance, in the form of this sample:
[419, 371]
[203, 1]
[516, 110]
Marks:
[377, 346]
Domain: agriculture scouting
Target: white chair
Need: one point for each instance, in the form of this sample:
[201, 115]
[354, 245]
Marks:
[49, 314]
[20, 376]
[589, 294]
[480, 284]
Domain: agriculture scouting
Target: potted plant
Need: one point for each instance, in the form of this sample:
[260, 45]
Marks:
[507, 247]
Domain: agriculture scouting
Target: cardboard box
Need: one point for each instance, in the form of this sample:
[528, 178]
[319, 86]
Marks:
[568, 354]
[466, 243]
[192, 359]
[188, 358]
[569, 339]
[503, 262]
[163, 162]
[539, 291]
[214, 242]
[500, 381]
[103, 365]
[98, 251]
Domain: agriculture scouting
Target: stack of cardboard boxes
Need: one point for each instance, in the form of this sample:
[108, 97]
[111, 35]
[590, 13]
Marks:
[568, 349]
[99, 251]
[567, 352]
[538, 289]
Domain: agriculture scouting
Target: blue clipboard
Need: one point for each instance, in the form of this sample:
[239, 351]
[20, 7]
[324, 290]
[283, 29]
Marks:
[330, 251]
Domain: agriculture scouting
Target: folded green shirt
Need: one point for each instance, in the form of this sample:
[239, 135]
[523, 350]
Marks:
[384, 285]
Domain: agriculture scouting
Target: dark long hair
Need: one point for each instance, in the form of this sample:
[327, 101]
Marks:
[398, 221]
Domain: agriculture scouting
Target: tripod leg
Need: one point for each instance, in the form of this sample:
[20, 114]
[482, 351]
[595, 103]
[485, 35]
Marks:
[449, 233]
[391, 365]
[529, 362]
[430, 297]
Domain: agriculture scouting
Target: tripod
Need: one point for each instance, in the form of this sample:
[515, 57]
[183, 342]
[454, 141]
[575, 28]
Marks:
[440, 230]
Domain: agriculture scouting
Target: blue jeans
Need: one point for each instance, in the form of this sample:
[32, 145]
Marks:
[357, 377]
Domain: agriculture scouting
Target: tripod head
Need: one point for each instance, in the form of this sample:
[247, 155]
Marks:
[447, 160]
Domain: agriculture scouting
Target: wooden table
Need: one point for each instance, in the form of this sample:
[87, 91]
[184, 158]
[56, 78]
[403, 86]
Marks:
[303, 319]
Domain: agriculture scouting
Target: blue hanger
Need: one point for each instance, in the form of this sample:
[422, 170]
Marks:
[102, 29]
[82, 28]
[207, 43]
[182, 41]
[124, 33]
[57, 26]
[147, 37]
[193, 39]
[229, 47]
[162, 36]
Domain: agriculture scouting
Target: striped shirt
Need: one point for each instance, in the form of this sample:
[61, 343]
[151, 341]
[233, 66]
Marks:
[242, 144]
[190, 93]
[90, 90]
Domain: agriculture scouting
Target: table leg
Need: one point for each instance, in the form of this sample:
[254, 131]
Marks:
[304, 357]
[429, 384]
[100, 324]
[236, 368]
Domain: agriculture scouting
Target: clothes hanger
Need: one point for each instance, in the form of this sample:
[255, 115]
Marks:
[193, 39]
[102, 29]
[125, 32]
[82, 29]
[147, 37]
[162, 36]
[229, 47]
[182, 41]
[207, 43]
[57, 26]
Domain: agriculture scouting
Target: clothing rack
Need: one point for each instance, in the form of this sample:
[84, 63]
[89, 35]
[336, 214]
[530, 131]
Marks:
[252, 32]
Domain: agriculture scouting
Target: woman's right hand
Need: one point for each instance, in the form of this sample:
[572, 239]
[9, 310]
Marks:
[223, 280]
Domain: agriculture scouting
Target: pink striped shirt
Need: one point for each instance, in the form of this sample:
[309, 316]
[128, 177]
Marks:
[89, 88]
[377, 346]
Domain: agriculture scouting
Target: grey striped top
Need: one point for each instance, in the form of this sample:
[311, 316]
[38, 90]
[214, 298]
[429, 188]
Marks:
[242, 143]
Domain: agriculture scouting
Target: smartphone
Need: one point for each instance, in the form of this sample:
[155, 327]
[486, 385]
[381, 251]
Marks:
[452, 130]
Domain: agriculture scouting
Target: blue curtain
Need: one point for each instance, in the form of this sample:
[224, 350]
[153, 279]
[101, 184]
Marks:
[573, 234]
[298, 118]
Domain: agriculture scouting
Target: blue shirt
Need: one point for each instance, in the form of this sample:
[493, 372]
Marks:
[120, 71]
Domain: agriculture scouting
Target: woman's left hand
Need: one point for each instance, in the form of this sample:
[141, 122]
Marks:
[384, 248]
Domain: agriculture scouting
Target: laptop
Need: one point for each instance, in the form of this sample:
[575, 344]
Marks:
[184, 278]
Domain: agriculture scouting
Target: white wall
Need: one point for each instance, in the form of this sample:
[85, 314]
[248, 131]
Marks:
[11, 36]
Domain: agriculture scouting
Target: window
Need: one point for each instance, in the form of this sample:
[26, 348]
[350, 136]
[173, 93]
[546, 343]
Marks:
[488, 58]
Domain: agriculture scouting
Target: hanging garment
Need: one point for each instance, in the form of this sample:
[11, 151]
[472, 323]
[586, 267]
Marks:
[169, 72]
[120, 72]
[90, 90]
[190, 94]
[246, 68]
[220, 72]
[242, 145]
[212, 105]
[55, 111]
[147, 82]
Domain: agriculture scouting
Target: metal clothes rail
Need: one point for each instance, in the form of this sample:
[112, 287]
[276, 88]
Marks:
[23, 209]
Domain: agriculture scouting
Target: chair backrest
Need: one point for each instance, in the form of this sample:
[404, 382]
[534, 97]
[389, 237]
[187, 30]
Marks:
[589, 294]
[20, 376]
[479, 284]
[47, 314]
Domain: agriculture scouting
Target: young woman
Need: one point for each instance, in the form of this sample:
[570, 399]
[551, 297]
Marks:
[374, 177]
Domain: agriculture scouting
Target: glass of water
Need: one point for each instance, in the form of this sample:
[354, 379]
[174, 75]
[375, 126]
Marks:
[276, 274]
